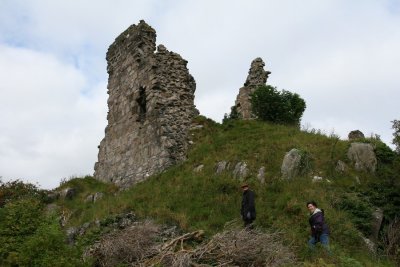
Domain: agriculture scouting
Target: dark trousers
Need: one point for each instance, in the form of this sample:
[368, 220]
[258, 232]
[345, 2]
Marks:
[247, 223]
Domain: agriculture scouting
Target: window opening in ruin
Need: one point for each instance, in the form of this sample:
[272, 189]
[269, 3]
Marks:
[141, 100]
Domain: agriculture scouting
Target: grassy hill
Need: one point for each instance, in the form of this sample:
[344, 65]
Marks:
[205, 200]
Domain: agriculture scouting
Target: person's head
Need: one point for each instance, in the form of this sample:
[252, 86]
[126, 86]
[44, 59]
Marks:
[311, 206]
[245, 187]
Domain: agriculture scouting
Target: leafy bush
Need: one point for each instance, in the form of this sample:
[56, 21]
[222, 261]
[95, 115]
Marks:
[361, 212]
[18, 220]
[284, 107]
[234, 115]
[384, 153]
[47, 247]
[17, 189]
[385, 195]
[396, 134]
[27, 236]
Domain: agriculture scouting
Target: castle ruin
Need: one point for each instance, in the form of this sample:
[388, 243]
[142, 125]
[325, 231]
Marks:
[256, 78]
[151, 107]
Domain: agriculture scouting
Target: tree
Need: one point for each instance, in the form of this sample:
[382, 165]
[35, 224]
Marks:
[396, 135]
[284, 107]
[234, 115]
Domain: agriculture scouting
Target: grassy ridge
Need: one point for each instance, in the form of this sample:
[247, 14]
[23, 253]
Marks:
[205, 200]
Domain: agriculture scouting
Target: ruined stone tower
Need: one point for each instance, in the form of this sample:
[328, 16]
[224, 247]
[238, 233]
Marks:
[257, 77]
[150, 105]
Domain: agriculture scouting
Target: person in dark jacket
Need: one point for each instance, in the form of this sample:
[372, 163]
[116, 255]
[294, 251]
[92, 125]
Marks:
[319, 229]
[248, 209]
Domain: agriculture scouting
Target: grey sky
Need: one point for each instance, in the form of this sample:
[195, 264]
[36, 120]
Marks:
[341, 56]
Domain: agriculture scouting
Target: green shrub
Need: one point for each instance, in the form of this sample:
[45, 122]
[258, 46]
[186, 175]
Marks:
[17, 189]
[18, 220]
[384, 153]
[47, 247]
[361, 212]
[396, 134]
[234, 115]
[27, 236]
[268, 104]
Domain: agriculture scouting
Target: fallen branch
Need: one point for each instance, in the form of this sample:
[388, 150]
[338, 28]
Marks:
[196, 235]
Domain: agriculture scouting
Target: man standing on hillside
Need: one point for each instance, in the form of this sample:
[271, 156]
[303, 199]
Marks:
[248, 209]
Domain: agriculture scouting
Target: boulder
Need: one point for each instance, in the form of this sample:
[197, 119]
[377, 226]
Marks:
[71, 234]
[241, 171]
[89, 198]
[221, 166]
[340, 166]
[356, 134]
[97, 196]
[198, 168]
[261, 175]
[317, 178]
[377, 218]
[292, 164]
[363, 157]
[68, 193]
[94, 197]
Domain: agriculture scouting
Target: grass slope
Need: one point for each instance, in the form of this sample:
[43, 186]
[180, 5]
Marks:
[206, 200]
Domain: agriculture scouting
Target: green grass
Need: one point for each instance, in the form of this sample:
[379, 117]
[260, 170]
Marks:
[208, 201]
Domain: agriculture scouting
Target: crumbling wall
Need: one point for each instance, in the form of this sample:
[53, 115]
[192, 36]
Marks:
[257, 77]
[151, 106]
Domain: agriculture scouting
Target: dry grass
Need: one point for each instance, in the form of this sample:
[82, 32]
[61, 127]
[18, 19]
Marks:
[392, 240]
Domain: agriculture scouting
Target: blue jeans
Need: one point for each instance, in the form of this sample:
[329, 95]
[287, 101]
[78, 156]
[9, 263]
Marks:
[323, 239]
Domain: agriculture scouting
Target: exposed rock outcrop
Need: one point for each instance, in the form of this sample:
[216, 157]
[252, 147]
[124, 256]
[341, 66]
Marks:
[221, 166]
[94, 197]
[340, 166]
[291, 164]
[363, 157]
[241, 170]
[356, 134]
[198, 168]
[151, 107]
[68, 193]
[295, 162]
[377, 218]
[257, 77]
[261, 175]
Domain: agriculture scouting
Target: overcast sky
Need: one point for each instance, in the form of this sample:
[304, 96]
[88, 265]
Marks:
[342, 57]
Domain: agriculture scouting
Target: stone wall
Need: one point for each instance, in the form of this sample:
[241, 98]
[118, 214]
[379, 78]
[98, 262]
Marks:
[151, 106]
[257, 77]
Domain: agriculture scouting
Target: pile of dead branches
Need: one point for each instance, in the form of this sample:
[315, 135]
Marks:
[245, 247]
[236, 247]
[128, 246]
[143, 244]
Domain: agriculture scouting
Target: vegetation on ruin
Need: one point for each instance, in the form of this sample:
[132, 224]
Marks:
[270, 104]
[31, 235]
